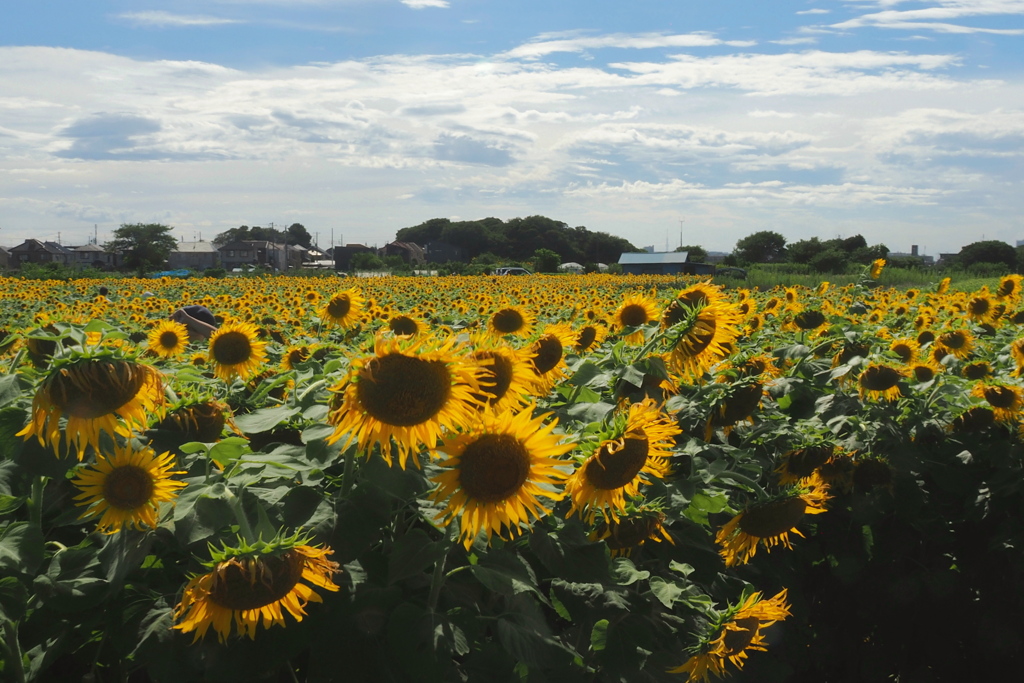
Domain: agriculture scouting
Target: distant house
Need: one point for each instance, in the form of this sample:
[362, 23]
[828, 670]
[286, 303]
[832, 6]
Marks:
[901, 255]
[93, 256]
[194, 256]
[663, 263]
[408, 251]
[296, 255]
[259, 253]
[5, 258]
[34, 251]
[343, 255]
[443, 252]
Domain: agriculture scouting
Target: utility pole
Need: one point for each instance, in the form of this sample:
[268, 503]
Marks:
[680, 232]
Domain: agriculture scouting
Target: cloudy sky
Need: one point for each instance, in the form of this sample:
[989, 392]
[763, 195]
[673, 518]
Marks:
[902, 120]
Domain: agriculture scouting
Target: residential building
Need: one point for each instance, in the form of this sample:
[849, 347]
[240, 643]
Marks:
[93, 256]
[409, 252]
[194, 256]
[663, 263]
[34, 251]
[343, 255]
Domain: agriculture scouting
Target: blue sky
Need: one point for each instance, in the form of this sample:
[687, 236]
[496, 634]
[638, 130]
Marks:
[901, 120]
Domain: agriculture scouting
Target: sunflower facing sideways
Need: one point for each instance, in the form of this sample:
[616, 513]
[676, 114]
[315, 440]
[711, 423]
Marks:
[405, 395]
[769, 523]
[633, 448]
[93, 392]
[1006, 400]
[735, 632]
[497, 472]
[254, 583]
[508, 378]
[632, 529]
[547, 355]
[125, 490]
[168, 339]
[636, 311]
[702, 327]
[235, 351]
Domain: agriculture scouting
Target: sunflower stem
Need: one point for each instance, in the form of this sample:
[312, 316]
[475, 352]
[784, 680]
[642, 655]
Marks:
[349, 471]
[243, 522]
[438, 578]
[13, 648]
[35, 503]
[311, 388]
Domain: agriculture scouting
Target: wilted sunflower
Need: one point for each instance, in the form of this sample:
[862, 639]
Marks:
[739, 403]
[701, 336]
[196, 421]
[344, 309]
[960, 342]
[976, 419]
[496, 473]
[252, 584]
[636, 311]
[770, 523]
[802, 463]
[876, 268]
[631, 450]
[510, 319]
[409, 392]
[294, 355]
[405, 326]
[168, 339]
[93, 392]
[508, 378]
[977, 370]
[880, 381]
[632, 529]
[1006, 399]
[729, 638]
[235, 351]
[126, 489]
[809, 319]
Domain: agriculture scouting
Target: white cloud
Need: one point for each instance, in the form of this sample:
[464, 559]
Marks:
[938, 16]
[814, 11]
[553, 43]
[423, 4]
[161, 18]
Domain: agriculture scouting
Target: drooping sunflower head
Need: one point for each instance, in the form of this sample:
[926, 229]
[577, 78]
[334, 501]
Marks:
[627, 453]
[636, 311]
[497, 472]
[294, 355]
[408, 392]
[809, 319]
[93, 393]
[977, 370]
[252, 584]
[738, 404]
[632, 528]
[511, 320]
[943, 285]
[235, 351]
[126, 489]
[973, 420]
[406, 326]
[168, 339]
[344, 309]
[803, 462]
[959, 342]
[702, 337]
[880, 381]
[547, 355]
[876, 268]
[1006, 400]
[736, 632]
[1009, 287]
[770, 523]
[202, 420]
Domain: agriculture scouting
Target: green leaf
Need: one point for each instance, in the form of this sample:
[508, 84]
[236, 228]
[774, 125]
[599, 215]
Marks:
[666, 591]
[683, 569]
[9, 504]
[13, 599]
[11, 389]
[21, 548]
[585, 372]
[264, 419]
[599, 635]
[229, 449]
[412, 554]
[626, 572]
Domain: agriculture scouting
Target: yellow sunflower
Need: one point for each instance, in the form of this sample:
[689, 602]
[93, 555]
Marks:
[406, 326]
[924, 371]
[197, 421]
[126, 490]
[496, 473]
[589, 337]
[93, 393]
[295, 354]
[636, 311]
[168, 339]
[976, 370]
[547, 355]
[235, 351]
[905, 347]
[405, 395]
[736, 632]
[244, 589]
[880, 381]
[1006, 399]
[802, 463]
[635, 447]
[508, 379]
[701, 337]
[510, 319]
[876, 268]
[1009, 287]
[770, 523]
[632, 529]
[959, 342]
[344, 309]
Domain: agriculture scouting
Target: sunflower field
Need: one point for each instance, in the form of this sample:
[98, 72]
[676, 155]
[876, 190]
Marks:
[547, 478]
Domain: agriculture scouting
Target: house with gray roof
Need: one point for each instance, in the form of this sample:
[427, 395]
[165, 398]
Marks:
[663, 263]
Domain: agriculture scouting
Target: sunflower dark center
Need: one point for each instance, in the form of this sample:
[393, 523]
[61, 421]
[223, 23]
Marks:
[698, 339]
[201, 422]
[253, 583]
[633, 315]
[1000, 397]
[1006, 288]
[740, 405]
[617, 462]
[904, 351]
[403, 325]
[925, 337]
[94, 388]
[809, 320]
[232, 348]
[494, 467]
[339, 306]
[879, 378]
[851, 351]
[508, 321]
[630, 532]
[298, 356]
[979, 306]
[548, 353]
[737, 640]
[404, 390]
[771, 519]
[953, 340]
[802, 462]
[586, 337]
[974, 420]
[924, 373]
[675, 314]
[872, 472]
[127, 487]
[976, 371]
[169, 339]
[500, 371]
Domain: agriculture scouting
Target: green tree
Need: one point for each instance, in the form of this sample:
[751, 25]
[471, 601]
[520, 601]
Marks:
[988, 251]
[694, 253]
[297, 234]
[546, 261]
[765, 246]
[143, 246]
[802, 251]
[366, 260]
